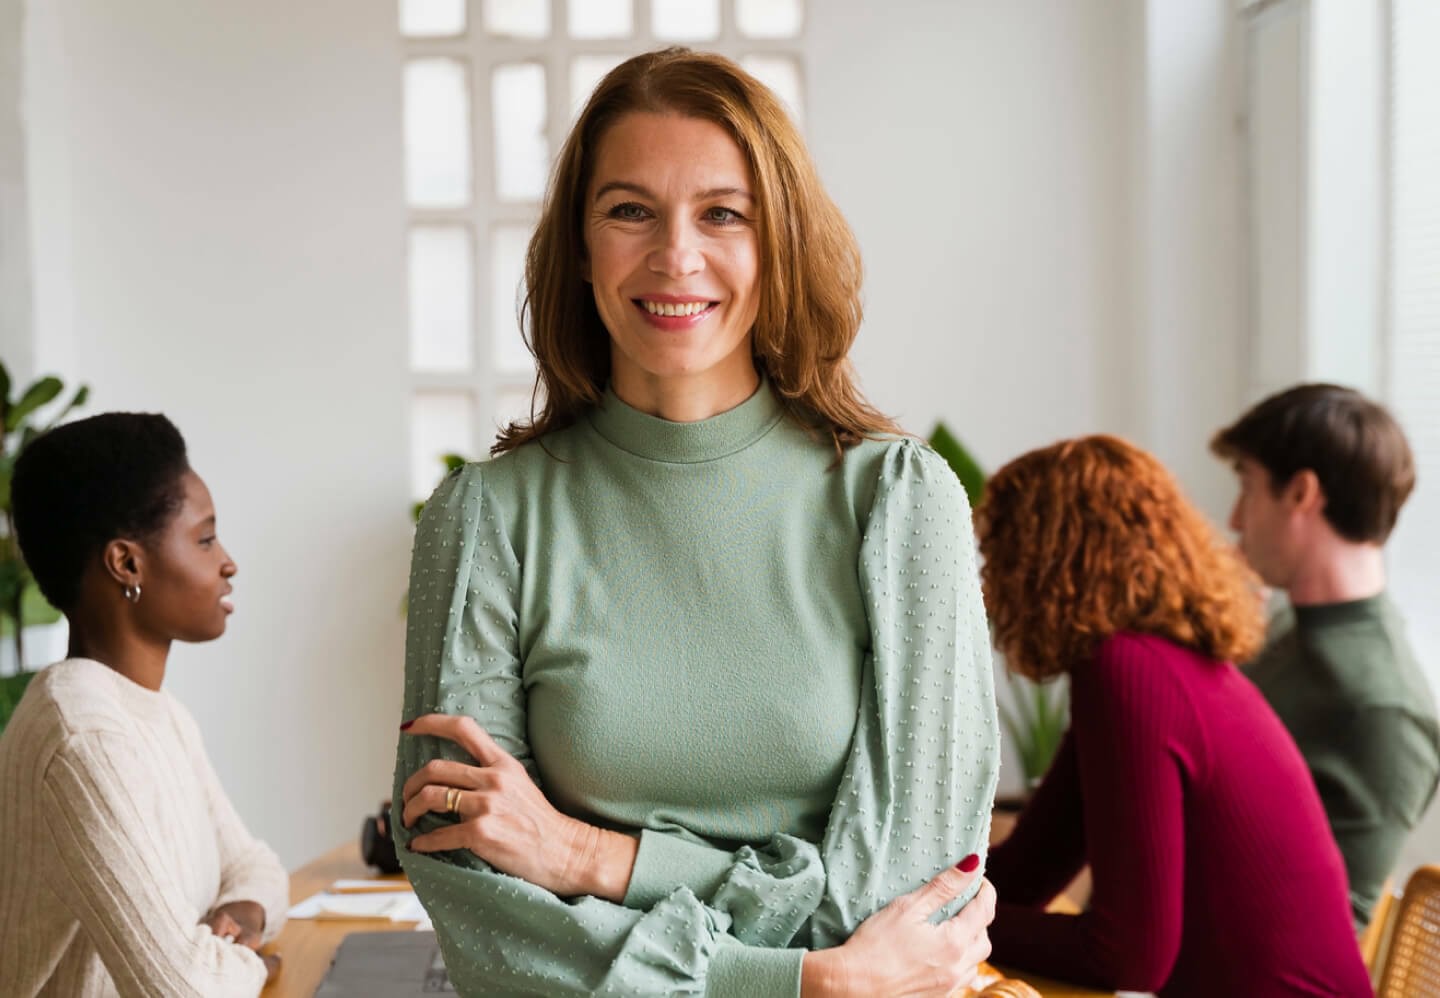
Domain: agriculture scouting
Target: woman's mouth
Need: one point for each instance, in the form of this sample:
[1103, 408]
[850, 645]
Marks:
[675, 315]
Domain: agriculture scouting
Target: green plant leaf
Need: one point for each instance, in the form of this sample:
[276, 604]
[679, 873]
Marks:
[454, 461]
[4, 391]
[12, 688]
[35, 609]
[38, 394]
[1037, 723]
[80, 397]
[966, 468]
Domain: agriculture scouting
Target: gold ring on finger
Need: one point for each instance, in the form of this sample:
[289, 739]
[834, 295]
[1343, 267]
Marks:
[452, 800]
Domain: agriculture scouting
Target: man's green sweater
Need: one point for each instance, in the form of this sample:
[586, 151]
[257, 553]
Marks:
[770, 665]
[1343, 679]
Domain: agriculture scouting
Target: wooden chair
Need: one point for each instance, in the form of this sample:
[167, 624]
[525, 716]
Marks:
[1374, 934]
[1409, 964]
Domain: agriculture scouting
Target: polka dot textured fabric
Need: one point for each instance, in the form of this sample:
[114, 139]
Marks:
[708, 634]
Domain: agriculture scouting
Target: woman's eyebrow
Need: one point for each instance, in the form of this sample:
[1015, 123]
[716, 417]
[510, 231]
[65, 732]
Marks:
[623, 185]
[644, 192]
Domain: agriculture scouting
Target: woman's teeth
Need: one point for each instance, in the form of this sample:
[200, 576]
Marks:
[674, 308]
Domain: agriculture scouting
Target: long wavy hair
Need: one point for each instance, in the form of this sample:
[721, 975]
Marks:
[1092, 536]
[810, 273]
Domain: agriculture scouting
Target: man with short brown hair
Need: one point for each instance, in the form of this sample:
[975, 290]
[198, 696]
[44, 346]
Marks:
[1323, 474]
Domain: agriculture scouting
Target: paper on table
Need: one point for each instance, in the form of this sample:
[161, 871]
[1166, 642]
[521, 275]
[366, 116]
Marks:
[368, 885]
[397, 906]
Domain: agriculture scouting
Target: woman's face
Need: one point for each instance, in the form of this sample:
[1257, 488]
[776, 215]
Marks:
[673, 254]
[187, 573]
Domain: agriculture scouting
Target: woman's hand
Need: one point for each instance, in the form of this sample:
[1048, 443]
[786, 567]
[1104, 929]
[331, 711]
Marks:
[243, 923]
[896, 951]
[240, 922]
[506, 820]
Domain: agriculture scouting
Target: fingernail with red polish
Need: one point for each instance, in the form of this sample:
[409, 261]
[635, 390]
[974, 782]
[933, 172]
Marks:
[968, 864]
[406, 725]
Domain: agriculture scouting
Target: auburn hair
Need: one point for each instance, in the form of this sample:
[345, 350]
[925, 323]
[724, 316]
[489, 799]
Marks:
[810, 272]
[1092, 536]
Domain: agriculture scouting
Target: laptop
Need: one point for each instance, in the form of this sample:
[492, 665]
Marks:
[386, 965]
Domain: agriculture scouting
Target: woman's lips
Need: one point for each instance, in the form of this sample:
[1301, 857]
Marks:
[675, 314]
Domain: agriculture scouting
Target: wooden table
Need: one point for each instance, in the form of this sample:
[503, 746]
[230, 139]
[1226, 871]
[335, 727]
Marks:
[307, 945]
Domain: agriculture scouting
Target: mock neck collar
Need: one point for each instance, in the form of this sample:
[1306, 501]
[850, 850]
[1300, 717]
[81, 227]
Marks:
[1326, 614]
[138, 699]
[659, 439]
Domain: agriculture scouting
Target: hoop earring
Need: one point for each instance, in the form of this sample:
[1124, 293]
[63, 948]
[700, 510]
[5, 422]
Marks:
[132, 593]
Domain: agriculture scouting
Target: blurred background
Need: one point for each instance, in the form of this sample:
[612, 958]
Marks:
[295, 226]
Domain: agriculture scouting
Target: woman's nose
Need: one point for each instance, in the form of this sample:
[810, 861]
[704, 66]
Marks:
[678, 253]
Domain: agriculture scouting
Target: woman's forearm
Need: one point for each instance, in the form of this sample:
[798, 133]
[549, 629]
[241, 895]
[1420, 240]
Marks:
[821, 974]
[606, 861]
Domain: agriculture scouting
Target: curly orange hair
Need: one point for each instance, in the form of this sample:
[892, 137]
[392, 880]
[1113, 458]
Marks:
[1092, 536]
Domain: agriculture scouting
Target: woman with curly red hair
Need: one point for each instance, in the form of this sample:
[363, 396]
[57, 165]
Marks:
[1214, 869]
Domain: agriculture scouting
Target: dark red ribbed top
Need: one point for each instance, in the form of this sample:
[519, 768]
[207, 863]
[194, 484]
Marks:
[1215, 872]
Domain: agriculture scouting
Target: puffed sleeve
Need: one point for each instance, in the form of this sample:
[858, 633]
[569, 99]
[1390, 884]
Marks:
[500, 934]
[919, 784]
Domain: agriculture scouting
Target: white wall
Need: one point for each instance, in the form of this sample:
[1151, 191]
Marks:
[216, 203]
[1047, 195]
[992, 276]
[15, 341]
[1188, 265]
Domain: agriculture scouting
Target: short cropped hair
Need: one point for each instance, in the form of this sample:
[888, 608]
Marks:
[80, 486]
[1353, 445]
[1089, 537]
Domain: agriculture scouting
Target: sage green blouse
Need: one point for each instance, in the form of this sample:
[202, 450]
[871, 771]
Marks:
[772, 667]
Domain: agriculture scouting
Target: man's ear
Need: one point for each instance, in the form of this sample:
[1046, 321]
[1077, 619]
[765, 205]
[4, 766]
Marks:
[1304, 493]
[124, 561]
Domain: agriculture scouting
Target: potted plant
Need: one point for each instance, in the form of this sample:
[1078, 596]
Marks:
[1040, 712]
[21, 604]
[1036, 724]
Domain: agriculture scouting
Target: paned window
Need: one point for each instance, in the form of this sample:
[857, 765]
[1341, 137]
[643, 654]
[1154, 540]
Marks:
[490, 90]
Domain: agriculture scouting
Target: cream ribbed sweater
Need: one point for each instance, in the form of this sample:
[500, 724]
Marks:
[117, 841]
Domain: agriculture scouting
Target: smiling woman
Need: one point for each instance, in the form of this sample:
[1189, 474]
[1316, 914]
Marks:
[127, 868]
[673, 257]
[698, 684]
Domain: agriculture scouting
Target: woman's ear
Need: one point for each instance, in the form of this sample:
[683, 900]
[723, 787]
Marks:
[124, 561]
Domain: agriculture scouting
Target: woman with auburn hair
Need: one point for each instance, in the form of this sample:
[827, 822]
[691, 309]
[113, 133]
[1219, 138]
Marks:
[1214, 870]
[698, 678]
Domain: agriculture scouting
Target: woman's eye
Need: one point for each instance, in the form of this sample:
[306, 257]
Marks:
[206, 541]
[628, 211]
[724, 216]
